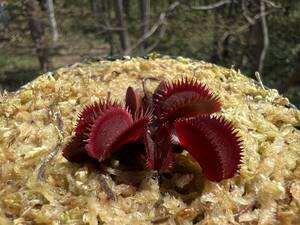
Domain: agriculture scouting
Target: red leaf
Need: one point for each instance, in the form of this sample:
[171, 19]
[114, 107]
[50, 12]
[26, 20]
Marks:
[159, 153]
[184, 98]
[133, 101]
[132, 133]
[113, 129]
[191, 107]
[74, 151]
[151, 150]
[87, 116]
[213, 142]
[105, 131]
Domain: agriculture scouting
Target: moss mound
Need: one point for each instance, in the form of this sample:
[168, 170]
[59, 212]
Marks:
[38, 186]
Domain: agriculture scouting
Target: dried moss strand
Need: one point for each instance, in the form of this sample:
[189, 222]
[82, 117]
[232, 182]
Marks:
[60, 129]
[50, 157]
[109, 192]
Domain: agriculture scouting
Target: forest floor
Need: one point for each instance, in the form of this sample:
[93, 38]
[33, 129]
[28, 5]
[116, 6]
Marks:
[19, 63]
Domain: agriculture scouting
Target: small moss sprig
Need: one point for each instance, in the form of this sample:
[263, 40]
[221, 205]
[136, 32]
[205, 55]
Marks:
[176, 116]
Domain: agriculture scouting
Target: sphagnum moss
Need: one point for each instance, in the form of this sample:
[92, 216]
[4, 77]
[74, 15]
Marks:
[267, 191]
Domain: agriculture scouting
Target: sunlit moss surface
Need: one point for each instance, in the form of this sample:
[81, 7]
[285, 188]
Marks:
[38, 186]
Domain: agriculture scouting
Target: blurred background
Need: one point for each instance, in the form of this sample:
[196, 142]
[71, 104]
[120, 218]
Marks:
[252, 35]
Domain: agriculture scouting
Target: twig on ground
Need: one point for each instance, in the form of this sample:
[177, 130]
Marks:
[109, 192]
[45, 161]
[60, 129]
[258, 78]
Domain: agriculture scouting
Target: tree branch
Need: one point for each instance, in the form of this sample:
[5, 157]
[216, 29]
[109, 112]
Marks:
[158, 39]
[211, 6]
[245, 26]
[272, 4]
[161, 21]
[245, 13]
[265, 37]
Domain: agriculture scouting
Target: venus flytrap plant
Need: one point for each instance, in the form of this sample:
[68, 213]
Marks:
[179, 115]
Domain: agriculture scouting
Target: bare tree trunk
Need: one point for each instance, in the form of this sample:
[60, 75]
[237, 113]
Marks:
[37, 33]
[103, 10]
[4, 16]
[145, 16]
[126, 6]
[94, 7]
[98, 8]
[217, 49]
[224, 11]
[260, 37]
[52, 20]
[265, 34]
[121, 19]
[107, 11]
[231, 18]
